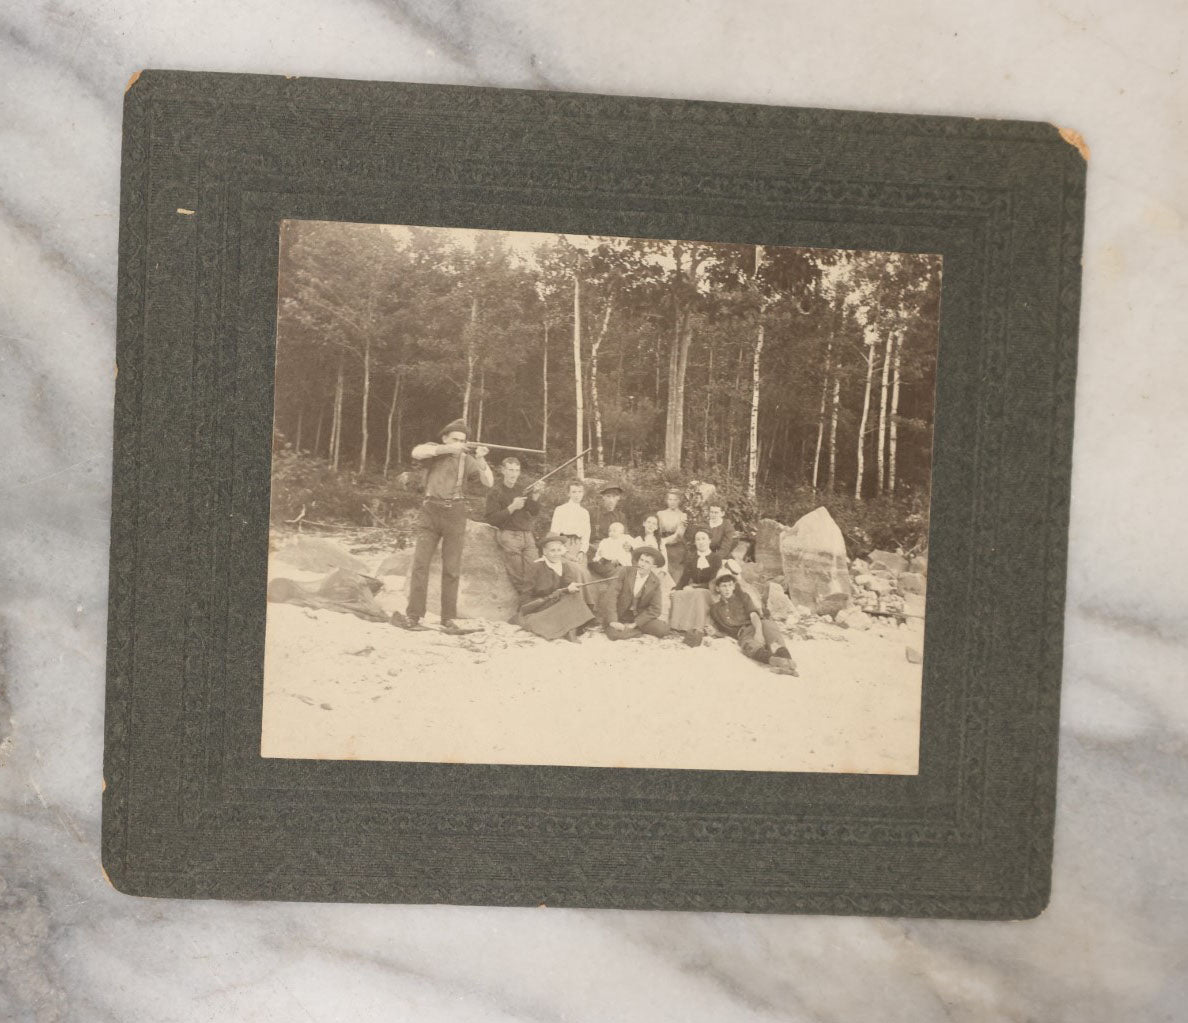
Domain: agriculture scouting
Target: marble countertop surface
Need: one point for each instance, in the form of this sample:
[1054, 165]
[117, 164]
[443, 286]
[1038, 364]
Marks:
[1113, 945]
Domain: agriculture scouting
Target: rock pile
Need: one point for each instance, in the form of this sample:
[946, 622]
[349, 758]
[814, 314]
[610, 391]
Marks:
[880, 583]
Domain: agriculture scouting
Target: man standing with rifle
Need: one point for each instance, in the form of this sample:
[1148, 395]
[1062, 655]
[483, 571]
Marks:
[450, 465]
[511, 510]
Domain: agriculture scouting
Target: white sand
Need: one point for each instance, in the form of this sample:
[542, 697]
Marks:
[340, 688]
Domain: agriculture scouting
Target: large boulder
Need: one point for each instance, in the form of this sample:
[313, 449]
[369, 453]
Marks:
[314, 554]
[767, 549]
[485, 591]
[816, 567]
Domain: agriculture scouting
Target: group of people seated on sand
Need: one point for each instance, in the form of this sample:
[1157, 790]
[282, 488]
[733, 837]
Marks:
[673, 577]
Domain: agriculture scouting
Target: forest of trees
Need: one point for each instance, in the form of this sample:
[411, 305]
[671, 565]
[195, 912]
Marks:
[767, 367]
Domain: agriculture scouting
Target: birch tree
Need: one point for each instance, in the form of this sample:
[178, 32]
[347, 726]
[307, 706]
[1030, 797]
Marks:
[883, 409]
[894, 426]
[753, 463]
[578, 390]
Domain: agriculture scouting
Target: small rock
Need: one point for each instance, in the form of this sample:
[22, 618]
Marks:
[913, 655]
[864, 580]
[778, 604]
[859, 566]
[894, 563]
[852, 618]
[920, 564]
[880, 585]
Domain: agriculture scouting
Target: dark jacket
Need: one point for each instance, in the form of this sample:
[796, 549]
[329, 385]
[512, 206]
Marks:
[647, 608]
[722, 539]
[499, 497]
[732, 615]
[544, 582]
[600, 522]
[695, 576]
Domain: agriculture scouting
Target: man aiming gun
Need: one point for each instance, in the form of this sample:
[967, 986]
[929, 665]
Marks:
[442, 519]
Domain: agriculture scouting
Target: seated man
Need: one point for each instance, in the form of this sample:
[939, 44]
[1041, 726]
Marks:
[736, 615]
[553, 605]
[636, 611]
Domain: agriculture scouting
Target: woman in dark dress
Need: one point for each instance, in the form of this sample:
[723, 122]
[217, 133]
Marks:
[554, 606]
[691, 600]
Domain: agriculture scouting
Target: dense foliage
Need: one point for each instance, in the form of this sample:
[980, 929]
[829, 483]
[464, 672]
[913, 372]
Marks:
[787, 377]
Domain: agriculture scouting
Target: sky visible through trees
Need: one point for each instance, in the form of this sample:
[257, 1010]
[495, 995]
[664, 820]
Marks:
[765, 366]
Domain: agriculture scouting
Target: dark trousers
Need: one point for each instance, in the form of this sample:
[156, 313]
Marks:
[655, 628]
[519, 552]
[444, 522]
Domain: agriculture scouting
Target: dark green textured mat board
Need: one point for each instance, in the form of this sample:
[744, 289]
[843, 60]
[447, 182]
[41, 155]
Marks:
[190, 808]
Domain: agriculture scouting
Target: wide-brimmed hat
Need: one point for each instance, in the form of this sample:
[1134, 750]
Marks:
[457, 426]
[720, 577]
[611, 489]
[552, 538]
[636, 554]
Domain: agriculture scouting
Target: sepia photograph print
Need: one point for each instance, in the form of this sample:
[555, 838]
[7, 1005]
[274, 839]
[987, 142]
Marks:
[598, 501]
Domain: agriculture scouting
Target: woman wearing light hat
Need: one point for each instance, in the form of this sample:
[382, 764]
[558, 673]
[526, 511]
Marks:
[554, 606]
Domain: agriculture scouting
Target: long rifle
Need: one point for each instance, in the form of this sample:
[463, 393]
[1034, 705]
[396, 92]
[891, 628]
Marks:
[553, 472]
[542, 602]
[471, 444]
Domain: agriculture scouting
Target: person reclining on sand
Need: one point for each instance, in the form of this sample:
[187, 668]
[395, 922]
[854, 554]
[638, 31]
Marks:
[736, 615]
[636, 609]
[553, 605]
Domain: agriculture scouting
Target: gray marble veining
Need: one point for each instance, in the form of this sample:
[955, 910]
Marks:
[1114, 942]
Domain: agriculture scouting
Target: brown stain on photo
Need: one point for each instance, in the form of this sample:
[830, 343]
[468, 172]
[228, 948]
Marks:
[1076, 140]
[132, 80]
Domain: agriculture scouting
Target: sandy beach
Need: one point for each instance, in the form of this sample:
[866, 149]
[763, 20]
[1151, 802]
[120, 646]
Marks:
[338, 687]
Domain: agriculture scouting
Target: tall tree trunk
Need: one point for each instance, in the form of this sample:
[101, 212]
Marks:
[578, 396]
[544, 374]
[672, 451]
[870, 360]
[297, 443]
[363, 414]
[835, 403]
[682, 370]
[709, 401]
[391, 416]
[337, 443]
[753, 469]
[471, 358]
[894, 417]
[735, 402]
[317, 448]
[594, 377]
[478, 432]
[684, 281]
[821, 414]
[883, 408]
